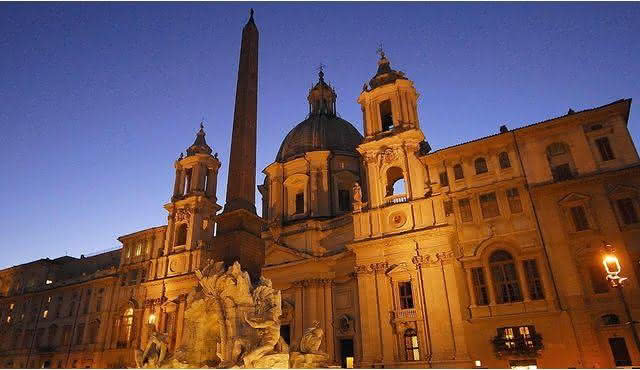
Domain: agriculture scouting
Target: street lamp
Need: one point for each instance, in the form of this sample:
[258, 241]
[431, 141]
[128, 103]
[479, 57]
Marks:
[613, 269]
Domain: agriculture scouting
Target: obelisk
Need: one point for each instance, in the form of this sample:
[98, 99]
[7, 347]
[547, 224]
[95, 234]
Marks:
[239, 227]
[241, 183]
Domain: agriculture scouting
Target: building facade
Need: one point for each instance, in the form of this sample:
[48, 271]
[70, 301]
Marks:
[487, 253]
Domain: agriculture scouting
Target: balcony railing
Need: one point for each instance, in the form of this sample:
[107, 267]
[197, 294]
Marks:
[396, 198]
[405, 315]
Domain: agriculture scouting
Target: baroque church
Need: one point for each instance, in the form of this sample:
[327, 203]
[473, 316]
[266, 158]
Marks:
[488, 253]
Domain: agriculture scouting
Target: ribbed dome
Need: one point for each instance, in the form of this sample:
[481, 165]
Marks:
[323, 129]
[319, 132]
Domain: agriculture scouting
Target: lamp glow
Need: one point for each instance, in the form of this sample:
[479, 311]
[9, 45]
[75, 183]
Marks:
[611, 264]
[152, 319]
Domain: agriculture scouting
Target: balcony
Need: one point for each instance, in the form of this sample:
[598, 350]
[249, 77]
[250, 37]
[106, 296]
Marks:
[410, 314]
[396, 198]
[528, 346]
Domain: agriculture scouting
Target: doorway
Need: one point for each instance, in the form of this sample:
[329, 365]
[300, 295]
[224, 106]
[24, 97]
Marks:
[346, 353]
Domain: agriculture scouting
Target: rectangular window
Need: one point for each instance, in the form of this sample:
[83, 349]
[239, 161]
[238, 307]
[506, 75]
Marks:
[386, 116]
[534, 282]
[299, 203]
[489, 205]
[457, 172]
[627, 211]
[99, 300]
[344, 200]
[465, 210]
[39, 338]
[480, 286]
[517, 337]
[562, 172]
[132, 277]
[448, 207]
[26, 340]
[579, 218]
[605, 149]
[515, 205]
[79, 334]
[66, 335]
[619, 351]
[406, 295]
[507, 286]
[444, 179]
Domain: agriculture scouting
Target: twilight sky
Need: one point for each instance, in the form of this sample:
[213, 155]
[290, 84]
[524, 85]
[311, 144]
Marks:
[98, 99]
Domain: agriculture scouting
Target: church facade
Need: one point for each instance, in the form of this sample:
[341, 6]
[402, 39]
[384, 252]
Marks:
[488, 253]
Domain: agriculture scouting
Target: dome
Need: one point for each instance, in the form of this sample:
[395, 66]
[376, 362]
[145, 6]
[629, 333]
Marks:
[322, 130]
[319, 132]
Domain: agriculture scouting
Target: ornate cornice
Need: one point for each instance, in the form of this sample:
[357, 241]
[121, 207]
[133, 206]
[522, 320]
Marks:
[419, 261]
[379, 267]
[362, 270]
[312, 282]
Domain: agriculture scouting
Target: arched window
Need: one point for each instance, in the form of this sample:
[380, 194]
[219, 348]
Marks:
[481, 166]
[181, 234]
[610, 319]
[505, 278]
[395, 181]
[411, 347]
[126, 328]
[457, 172]
[386, 116]
[503, 158]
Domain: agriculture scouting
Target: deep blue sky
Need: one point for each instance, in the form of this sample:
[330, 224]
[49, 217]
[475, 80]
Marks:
[97, 100]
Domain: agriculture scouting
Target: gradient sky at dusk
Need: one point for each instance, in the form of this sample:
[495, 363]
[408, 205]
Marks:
[98, 99]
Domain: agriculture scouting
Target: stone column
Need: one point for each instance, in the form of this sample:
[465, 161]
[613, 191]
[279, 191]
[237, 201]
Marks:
[180, 319]
[385, 305]
[196, 178]
[329, 332]
[299, 313]
[313, 191]
[373, 186]
[144, 336]
[369, 320]
[176, 185]
[310, 304]
[454, 288]
[439, 319]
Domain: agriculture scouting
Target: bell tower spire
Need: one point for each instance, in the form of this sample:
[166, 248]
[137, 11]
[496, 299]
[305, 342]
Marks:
[241, 183]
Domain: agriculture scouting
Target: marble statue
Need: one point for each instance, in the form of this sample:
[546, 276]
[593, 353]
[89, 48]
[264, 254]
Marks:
[308, 354]
[229, 323]
[155, 352]
[358, 204]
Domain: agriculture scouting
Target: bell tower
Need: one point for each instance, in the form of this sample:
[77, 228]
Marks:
[193, 206]
[392, 137]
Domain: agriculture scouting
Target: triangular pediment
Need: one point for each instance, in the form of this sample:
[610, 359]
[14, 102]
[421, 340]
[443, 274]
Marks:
[613, 190]
[574, 198]
[401, 267]
[276, 254]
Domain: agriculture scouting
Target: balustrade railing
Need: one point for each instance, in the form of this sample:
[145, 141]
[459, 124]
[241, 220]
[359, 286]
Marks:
[396, 198]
